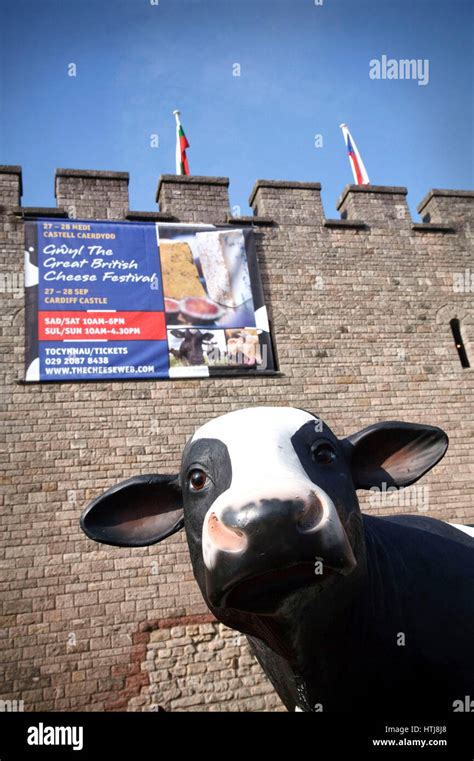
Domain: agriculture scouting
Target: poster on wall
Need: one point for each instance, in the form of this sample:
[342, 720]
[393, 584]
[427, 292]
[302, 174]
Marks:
[122, 300]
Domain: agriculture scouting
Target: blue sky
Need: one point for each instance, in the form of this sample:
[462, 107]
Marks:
[304, 70]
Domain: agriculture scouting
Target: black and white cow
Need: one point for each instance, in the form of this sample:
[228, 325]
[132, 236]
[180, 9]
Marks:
[344, 611]
[191, 350]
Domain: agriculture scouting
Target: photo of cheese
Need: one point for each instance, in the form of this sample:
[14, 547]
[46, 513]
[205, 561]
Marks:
[179, 272]
[224, 265]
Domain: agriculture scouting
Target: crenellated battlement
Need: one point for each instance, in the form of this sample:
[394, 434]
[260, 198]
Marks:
[194, 198]
[288, 202]
[104, 195]
[375, 205]
[11, 187]
[78, 191]
[438, 205]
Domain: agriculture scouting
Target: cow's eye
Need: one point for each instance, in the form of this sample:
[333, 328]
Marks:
[197, 479]
[323, 453]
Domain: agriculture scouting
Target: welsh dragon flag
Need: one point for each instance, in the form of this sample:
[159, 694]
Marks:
[182, 166]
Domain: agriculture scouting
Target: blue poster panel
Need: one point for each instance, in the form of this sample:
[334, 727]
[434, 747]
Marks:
[129, 300]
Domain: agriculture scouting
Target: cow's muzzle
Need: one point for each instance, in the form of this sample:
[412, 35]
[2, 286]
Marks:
[266, 547]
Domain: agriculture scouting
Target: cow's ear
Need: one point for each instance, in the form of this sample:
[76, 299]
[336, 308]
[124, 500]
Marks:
[393, 453]
[207, 336]
[178, 333]
[141, 511]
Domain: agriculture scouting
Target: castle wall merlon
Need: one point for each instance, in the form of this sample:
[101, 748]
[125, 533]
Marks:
[11, 186]
[92, 193]
[193, 198]
[376, 205]
[447, 206]
[288, 202]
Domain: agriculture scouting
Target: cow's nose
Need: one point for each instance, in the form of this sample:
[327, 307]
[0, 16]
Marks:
[249, 532]
[225, 537]
[308, 513]
[228, 527]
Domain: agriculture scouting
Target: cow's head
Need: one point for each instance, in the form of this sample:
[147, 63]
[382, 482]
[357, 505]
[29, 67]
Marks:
[191, 347]
[267, 496]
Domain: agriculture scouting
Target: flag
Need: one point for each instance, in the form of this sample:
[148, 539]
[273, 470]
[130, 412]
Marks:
[358, 169]
[182, 166]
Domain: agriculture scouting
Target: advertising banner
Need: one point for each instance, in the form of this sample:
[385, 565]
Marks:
[121, 300]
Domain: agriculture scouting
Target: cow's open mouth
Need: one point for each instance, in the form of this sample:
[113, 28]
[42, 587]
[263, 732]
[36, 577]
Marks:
[265, 591]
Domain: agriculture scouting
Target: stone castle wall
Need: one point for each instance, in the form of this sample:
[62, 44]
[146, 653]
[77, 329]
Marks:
[360, 309]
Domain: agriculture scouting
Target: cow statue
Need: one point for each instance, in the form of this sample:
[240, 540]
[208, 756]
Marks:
[345, 612]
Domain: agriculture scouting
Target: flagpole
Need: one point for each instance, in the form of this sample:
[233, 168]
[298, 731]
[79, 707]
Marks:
[176, 114]
[357, 165]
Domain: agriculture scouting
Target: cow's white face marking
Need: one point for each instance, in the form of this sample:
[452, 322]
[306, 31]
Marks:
[264, 465]
[258, 440]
